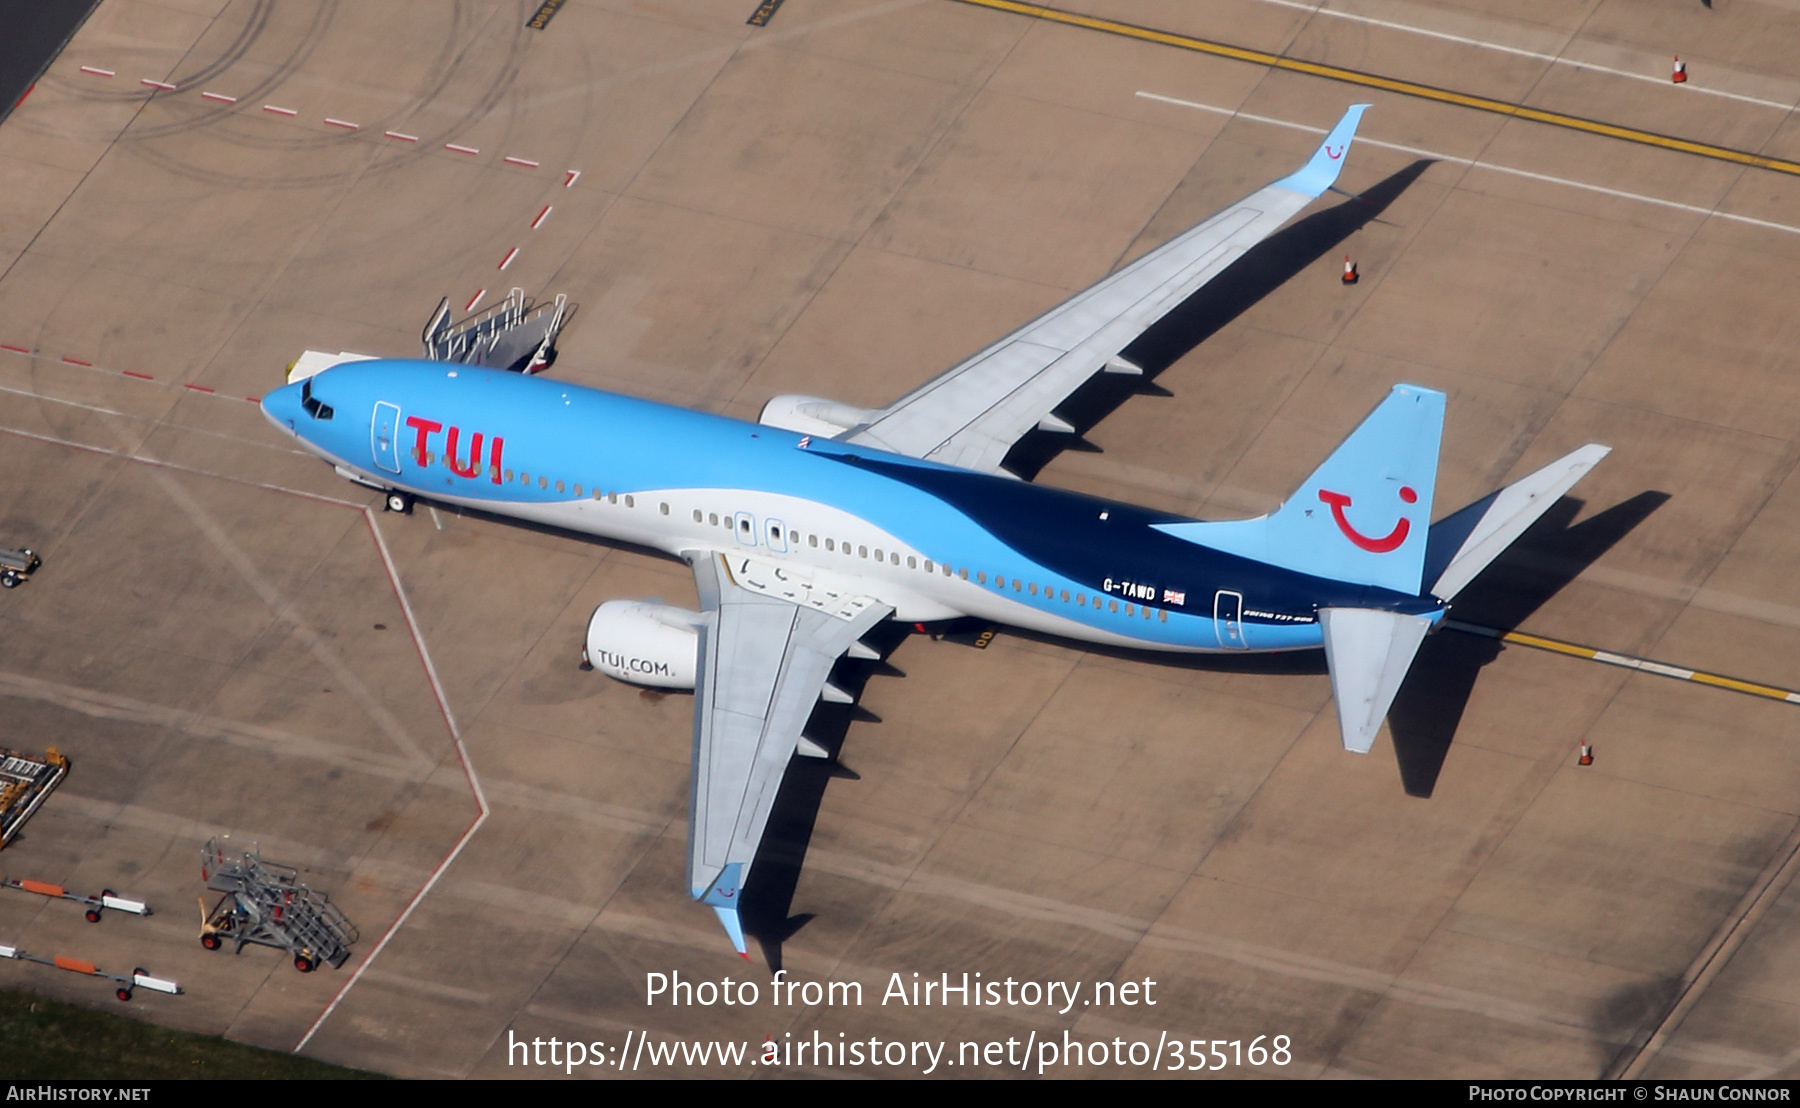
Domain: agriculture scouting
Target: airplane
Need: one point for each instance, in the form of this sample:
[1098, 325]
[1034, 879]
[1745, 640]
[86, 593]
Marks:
[807, 528]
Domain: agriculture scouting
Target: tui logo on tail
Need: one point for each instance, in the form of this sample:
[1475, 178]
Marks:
[1387, 543]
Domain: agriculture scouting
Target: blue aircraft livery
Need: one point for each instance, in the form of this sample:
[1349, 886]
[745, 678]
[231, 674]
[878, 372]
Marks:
[810, 526]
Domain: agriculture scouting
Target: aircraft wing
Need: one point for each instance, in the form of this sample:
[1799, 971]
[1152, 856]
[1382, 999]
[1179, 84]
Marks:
[764, 660]
[972, 415]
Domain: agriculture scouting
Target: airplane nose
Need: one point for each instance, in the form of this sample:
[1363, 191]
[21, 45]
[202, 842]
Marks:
[282, 407]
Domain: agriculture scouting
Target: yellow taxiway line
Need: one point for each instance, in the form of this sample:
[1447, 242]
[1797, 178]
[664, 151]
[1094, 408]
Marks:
[1390, 84]
[1626, 661]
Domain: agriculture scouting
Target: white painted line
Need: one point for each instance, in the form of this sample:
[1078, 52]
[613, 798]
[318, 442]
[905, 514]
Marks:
[156, 84]
[402, 137]
[344, 123]
[570, 177]
[1535, 55]
[279, 111]
[98, 72]
[510, 255]
[462, 753]
[526, 162]
[461, 149]
[474, 300]
[1491, 167]
[539, 221]
[219, 96]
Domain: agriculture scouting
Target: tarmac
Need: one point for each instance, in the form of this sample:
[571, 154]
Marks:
[227, 638]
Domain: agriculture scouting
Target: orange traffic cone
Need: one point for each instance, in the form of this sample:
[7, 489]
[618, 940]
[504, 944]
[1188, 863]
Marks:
[1680, 74]
[1587, 755]
[1349, 271]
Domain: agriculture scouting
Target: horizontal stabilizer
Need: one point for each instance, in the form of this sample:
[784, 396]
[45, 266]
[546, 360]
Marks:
[1465, 542]
[1368, 652]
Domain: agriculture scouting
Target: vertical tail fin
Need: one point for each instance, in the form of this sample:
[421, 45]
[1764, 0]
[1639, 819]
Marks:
[1364, 515]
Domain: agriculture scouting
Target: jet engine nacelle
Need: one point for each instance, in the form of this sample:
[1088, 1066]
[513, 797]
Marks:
[811, 415]
[644, 643]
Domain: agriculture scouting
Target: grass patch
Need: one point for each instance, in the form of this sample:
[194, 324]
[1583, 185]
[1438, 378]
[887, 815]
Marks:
[50, 1040]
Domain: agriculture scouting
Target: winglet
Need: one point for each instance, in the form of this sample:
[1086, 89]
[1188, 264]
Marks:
[722, 898]
[733, 930]
[1321, 172]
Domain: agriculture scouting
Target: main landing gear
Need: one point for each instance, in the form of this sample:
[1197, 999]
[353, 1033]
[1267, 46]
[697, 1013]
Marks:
[399, 502]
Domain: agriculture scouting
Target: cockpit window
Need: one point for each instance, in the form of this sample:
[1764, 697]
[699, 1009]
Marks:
[313, 407]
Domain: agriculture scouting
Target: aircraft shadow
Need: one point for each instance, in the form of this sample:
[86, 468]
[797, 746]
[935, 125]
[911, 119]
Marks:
[1263, 268]
[1430, 705]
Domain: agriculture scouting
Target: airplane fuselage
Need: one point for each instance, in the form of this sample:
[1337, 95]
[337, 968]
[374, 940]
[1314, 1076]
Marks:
[932, 541]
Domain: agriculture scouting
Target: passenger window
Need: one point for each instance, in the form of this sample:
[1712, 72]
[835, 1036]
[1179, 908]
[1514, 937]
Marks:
[878, 555]
[812, 540]
[894, 558]
[1016, 586]
[509, 475]
[1065, 596]
[543, 482]
[1129, 610]
[630, 503]
[929, 568]
[714, 518]
[1112, 605]
[577, 490]
[794, 537]
[665, 508]
[494, 472]
[980, 577]
[1162, 615]
[863, 551]
[698, 516]
[830, 544]
[612, 498]
[559, 486]
[524, 478]
[598, 495]
[963, 572]
[1034, 588]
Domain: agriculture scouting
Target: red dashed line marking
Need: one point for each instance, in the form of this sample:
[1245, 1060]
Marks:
[254, 399]
[78, 361]
[538, 222]
[14, 349]
[139, 376]
[198, 388]
[571, 177]
[474, 300]
[510, 255]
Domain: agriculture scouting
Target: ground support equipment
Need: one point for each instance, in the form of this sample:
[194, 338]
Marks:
[138, 976]
[94, 904]
[266, 904]
[25, 780]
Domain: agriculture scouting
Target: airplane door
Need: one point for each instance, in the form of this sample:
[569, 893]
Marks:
[1228, 619]
[745, 529]
[381, 434]
[776, 532]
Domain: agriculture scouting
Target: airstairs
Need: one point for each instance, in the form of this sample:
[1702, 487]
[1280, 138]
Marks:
[518, 334]
[266, 904]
